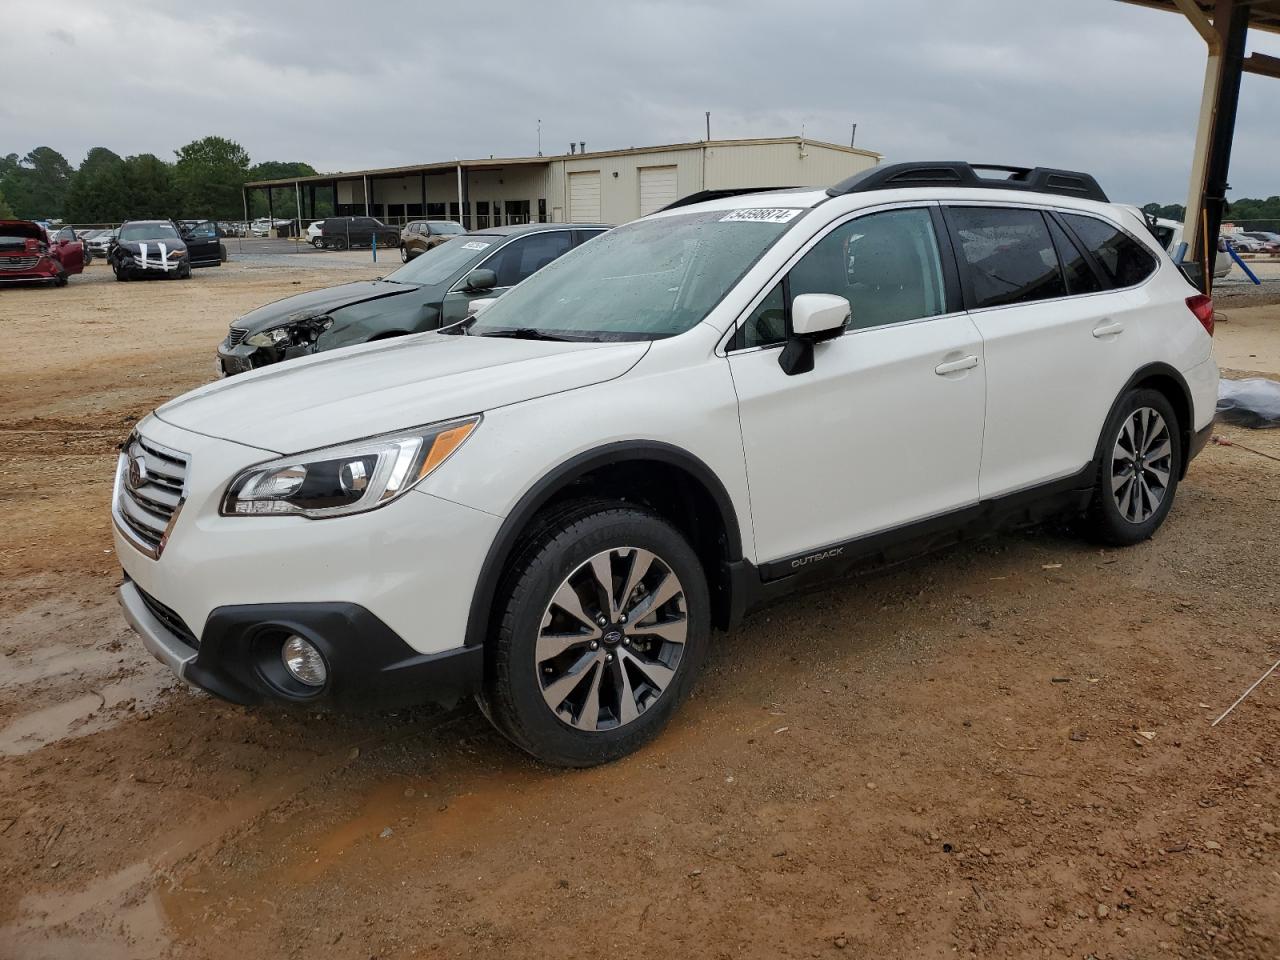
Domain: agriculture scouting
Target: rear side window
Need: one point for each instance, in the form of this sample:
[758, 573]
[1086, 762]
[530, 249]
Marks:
[1124, 260]
[1075, 266]
[1007, 254]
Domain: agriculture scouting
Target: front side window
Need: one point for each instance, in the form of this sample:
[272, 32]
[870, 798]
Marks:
[1123, 259]
[202, 231]
[527, 255]
[1007, 254]
[887, 266]
[646, 280]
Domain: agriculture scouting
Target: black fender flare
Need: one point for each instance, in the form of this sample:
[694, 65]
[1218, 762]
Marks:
[556, 479]
[1156, 369]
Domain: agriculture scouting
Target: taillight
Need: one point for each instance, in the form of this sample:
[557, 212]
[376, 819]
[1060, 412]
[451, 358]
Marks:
[1202, 306]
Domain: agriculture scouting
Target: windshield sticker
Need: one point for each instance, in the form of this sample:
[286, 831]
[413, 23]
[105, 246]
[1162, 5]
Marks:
[475, 245]
[762, 214]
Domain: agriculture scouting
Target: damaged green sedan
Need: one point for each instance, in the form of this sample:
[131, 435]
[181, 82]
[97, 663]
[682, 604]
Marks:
[432, 290]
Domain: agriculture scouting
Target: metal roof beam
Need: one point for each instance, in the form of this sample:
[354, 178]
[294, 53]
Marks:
[1191, 10]
[1263, 65]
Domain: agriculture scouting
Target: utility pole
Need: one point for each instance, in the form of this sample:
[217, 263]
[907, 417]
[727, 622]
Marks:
[539, 136]
[853, 132]
[708, 125]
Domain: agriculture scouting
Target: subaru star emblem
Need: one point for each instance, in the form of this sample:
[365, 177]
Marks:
[137, 471]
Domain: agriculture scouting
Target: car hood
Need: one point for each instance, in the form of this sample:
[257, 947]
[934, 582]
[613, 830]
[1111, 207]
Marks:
[22, 228]
[389, 385]
[314, 303]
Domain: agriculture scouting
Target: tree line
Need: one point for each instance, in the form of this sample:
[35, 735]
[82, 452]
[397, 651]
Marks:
[204, 180]
[1254, 214]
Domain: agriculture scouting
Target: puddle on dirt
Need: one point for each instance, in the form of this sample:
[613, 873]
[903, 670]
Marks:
[84, 714]
[59, 660]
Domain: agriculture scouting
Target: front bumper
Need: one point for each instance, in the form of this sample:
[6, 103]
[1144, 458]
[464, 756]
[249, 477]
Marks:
[385, 594]
[244, 357]
[45, 268]
[237, 656]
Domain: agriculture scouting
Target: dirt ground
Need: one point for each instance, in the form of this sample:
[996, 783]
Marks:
[1003, 750]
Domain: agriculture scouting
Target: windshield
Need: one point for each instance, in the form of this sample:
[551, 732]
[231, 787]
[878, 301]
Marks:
[446, 227]
[644, 281]
[440, 263]
[147, 231]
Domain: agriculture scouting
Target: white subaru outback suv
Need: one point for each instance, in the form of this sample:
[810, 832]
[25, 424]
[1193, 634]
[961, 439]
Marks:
[551, 504]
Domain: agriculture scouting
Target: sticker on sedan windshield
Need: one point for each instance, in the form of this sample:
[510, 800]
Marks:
[475, 245]
[762, 214]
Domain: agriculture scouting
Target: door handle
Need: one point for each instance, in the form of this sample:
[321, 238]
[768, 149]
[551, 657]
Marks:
[1108, 328]
[955, 366]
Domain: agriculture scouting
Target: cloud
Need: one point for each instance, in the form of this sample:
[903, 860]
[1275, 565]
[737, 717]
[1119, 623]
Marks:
[1094, 84]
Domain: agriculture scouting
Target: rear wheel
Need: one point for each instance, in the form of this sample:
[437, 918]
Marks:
[605, 624]
[1138, 470]
[404, 253]
[339, 243]
[317, 242]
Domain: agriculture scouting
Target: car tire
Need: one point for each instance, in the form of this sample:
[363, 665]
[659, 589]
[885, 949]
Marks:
[629, 682]
[222, 254]
[121, 274]
[404, 253]
[317, 242]
[340, 243]
[1139, 463]
[60, 280]
[184, 272]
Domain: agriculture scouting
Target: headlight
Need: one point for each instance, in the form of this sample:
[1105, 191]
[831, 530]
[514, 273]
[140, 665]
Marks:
[270, 338]
[351, 478]
[177, 253]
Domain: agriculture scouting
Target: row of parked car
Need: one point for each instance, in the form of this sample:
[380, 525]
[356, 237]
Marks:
[32, 251]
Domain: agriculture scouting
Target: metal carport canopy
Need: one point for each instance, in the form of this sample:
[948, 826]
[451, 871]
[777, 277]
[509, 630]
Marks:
[1224, 26]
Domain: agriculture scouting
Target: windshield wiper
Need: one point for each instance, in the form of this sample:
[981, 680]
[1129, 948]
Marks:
[523, 333]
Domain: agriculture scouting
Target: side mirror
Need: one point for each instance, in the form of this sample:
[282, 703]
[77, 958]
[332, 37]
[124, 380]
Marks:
[478, 280]
[815, 317]
[477, 307]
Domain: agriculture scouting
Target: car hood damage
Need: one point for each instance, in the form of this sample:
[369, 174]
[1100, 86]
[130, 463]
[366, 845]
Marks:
[304, 306]
[14, 234]
[390, 385]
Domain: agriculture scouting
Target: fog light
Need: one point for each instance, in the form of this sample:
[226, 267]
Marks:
[304, 662]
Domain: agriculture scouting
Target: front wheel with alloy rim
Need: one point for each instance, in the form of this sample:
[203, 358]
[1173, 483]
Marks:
[605, 624]
[1138, 470]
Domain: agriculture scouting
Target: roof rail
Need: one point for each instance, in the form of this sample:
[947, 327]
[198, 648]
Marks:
[703, 195]
[957, 173]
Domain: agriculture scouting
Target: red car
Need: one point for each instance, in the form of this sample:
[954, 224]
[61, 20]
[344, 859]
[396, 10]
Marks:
[28, 252]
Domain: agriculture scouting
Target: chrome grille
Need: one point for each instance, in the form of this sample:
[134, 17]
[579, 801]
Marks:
[236, 336]
[150, 487]
[18, 263]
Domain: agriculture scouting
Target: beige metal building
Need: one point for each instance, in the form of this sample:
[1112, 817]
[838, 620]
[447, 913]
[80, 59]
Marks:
[608, 186]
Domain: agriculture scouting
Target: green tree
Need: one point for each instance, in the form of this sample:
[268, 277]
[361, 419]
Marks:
[150, 189]
[6, 211]
[210, 175]
[37, 184]
[96, 194]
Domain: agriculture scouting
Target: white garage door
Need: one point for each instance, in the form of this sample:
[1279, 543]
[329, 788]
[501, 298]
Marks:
[584, 197]
[657, 188]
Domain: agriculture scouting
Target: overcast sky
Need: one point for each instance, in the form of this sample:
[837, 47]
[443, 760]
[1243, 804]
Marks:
[1097, 85]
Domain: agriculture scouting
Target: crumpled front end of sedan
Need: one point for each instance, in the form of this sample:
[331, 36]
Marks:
[25, 255]
[157, 258]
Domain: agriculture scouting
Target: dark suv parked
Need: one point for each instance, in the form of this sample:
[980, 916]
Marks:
[340, 233]
[432, 290]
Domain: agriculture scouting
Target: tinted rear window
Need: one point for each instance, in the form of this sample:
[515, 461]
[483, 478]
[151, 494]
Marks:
[1123, 259]
[1007, 254]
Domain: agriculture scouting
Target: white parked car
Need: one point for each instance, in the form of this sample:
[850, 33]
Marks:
[553, 503]
[315, 233]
